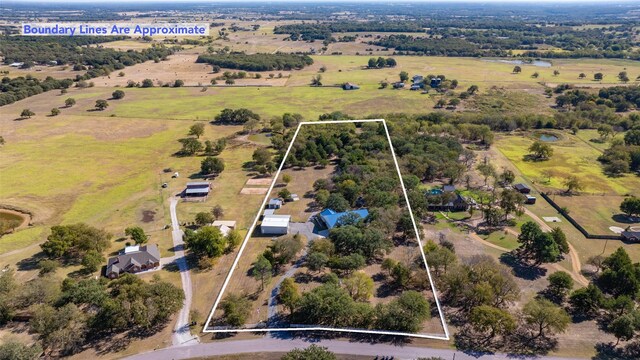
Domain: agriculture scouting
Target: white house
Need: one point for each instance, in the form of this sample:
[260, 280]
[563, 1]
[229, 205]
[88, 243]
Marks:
[275, 224]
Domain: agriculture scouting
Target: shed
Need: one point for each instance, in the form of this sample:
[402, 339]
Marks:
[418, 79]
[228, 223]
[350, 86]
[274, 204]
[275, 224]
[522, 188]
[268, 212]
[530, 200]
[398, 85]
[415, 87]
[449, 188]
[295, 197]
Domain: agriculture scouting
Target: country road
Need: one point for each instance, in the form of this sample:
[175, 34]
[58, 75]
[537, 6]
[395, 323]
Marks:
[181, 332]
[267, 344]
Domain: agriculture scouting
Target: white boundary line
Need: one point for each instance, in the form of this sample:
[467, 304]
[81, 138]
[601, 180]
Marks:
[253, 226]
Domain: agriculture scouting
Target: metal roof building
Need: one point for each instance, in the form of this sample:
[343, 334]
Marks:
[275, 224]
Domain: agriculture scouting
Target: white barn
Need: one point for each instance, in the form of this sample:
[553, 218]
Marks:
[275, 224]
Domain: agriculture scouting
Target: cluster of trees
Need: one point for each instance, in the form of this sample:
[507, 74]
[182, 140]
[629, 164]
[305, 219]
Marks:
[208, 243]
[612, 299]
[12, 90]
[97, 61]
[630, 206]
[381, 62]
[620, 98]
[434, 46]
[281, 252]
[622, 156]
[539, 246]
[235, 117]
[322, 31]
[67, 315]
[77, 244]
[257, 62]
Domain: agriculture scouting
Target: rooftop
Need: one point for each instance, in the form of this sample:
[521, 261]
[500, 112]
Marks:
[331, 217]
[276, 220]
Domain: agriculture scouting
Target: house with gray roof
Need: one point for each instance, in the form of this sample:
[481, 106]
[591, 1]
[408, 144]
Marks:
[133, 259]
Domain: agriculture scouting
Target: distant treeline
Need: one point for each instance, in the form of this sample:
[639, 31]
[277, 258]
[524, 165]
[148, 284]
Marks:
[435, 47]
[322, 31]
[12, 90]
[257, 62]
[98, 61]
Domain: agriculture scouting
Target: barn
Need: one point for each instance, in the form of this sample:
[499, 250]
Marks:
[275, 224]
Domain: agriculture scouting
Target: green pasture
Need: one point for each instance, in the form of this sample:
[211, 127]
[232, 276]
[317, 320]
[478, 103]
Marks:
[571, 157]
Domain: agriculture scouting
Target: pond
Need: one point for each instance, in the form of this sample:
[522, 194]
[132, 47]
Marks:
[538, 63]
[10, 220]
[548, 138]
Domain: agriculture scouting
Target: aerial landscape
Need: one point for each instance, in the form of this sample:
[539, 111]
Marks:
[319, 180]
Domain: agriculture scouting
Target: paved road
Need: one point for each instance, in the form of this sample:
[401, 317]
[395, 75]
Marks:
[336, 346]
[181, 332]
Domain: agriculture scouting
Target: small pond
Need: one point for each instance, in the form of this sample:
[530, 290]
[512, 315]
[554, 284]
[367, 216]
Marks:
[538, 63]
[548, 138]
[10, 220]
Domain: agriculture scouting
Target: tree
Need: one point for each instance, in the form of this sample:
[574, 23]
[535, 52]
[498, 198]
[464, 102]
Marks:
[204, 218]
[359, 285]
[190, 146]
[12, 349]
[101, 104]
[26, 113]
[632, 137]
[582, 76]
[381, 62]
[623, 327]
[316, 80]
[546, 317]
[137, 234]
[289, 295]
[261, 156]
[229, 81]
[236, 310]
[91, 261]
[217, 211]
[337, 202]
[147, 83]
[572, 183]
[630, 206]
[517, 69]
[507, 177]
[605, 130]
[313, 352]
[404, 76]
[233, 239]
[262, 270]
[372, 63]
[55, 112]
[69, 102]
[556, 72]
[537, 245]
[472, 89]
[286, 179]
[178, 83]
[454, 102]
[598, 76]
[406, 313]
[73, 241]
[491, 321]
[118, 94]
[487, 170]
[535, 75]
[511, 201]
[586, 301]
[196, 130]
[285, 194]
[208, 241]
[622, 76]
[561, 240]
[316, 261]
[560, 283]
[48, 266]
[541, 150]
[211, 165]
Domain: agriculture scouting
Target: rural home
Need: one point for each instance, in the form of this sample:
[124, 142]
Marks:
[133, 259]
[418, 79]
[275, 224]
[225, 226]
[398, 85]
[197, 189]
[453, 202]
[331, 218]
[522, 188]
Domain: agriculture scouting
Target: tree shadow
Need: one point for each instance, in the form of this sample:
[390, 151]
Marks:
[622, 218]
[521, 269]
[31, 263]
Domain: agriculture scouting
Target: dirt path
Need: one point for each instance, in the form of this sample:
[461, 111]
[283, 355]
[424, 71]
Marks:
[181, 331]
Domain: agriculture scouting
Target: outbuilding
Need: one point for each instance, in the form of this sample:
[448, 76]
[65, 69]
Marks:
[275, 224]
[197, 189]
[631, 235]
[350, 86]
[530, 200]
[522, 188]
[274, 204]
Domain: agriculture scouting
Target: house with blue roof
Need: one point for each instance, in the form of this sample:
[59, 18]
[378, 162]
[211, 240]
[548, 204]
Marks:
[331, 218]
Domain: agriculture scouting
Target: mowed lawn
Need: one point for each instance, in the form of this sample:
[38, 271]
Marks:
[571, 156]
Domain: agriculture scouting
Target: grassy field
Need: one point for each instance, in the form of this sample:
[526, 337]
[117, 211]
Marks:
[571, 156]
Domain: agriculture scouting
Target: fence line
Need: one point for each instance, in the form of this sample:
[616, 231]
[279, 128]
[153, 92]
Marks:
[584, 232]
